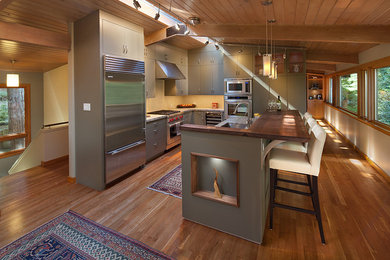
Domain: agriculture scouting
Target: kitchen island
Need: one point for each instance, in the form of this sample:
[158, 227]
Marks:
[229, 160]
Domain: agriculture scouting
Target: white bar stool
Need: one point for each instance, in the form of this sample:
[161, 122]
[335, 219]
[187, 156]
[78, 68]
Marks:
[297, 146]
[302, 163]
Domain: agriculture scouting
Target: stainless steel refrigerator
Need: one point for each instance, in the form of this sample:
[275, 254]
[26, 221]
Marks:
[124, 87]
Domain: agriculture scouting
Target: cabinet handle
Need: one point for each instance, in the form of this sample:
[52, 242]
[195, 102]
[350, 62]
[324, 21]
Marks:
[155, 144]
[123, 49]
[155, 130]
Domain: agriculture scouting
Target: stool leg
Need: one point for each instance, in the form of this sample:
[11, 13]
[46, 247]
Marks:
[317, 207]
[311, 188]
[272, 196]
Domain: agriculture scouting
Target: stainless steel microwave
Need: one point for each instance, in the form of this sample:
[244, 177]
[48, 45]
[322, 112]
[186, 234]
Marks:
[238, 86]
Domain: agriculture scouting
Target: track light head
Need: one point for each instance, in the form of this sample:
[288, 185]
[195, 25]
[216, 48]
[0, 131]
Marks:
[194, 20]
[177, 26]
[207, 42]
[216, 46]
[157, 16]
[136, 4]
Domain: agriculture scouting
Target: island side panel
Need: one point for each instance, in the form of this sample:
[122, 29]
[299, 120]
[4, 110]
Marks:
[246, 221]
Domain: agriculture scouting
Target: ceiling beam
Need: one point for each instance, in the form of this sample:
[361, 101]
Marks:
[310, 33]
[156, 36]
[27, 34]
[331, 58]
[321, 67]
[4, 3]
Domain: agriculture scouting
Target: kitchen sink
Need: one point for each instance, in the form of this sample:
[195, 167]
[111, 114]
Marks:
[235, 125]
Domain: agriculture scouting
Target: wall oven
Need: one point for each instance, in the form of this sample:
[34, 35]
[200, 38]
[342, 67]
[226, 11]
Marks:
[238, 86]
[238, 106]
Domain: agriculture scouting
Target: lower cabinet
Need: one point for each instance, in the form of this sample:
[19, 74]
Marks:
[199, 118]
[187, 117]
[156, 138]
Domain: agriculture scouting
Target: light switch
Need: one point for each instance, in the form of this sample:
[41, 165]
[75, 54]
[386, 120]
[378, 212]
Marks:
[87, 106]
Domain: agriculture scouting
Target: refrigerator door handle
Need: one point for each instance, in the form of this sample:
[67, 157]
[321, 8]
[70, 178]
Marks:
[127, 147]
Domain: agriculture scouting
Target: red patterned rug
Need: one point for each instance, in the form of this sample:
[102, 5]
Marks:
[170, 183]
[72, 236]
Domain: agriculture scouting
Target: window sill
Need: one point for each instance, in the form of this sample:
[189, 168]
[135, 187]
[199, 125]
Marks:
[12, 153]
[376, 125]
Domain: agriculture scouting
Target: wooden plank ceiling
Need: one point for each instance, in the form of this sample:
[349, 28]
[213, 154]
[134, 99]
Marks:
[332, 31]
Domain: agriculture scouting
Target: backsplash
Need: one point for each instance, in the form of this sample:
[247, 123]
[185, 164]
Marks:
[160, 101]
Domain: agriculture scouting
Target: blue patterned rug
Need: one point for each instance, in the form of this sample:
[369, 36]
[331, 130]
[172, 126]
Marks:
[170, 183]
[72, 236]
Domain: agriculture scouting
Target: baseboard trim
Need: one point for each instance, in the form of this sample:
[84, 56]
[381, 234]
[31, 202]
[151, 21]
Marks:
[54, 161]
[372, 163]
[71, 180]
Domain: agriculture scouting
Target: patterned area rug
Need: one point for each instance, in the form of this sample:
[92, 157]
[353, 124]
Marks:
[72, 236]
[169, 184]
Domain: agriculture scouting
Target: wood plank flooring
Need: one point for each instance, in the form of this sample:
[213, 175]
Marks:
[355, 204]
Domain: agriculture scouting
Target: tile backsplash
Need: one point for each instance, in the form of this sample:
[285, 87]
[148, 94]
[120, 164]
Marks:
[160, 101]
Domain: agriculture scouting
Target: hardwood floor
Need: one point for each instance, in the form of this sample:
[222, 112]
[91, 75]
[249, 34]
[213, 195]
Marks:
[355, 204]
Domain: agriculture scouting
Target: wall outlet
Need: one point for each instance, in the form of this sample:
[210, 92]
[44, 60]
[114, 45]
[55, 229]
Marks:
[86, 106]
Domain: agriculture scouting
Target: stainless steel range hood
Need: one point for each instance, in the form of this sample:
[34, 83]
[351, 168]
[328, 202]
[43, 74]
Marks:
[167, 70]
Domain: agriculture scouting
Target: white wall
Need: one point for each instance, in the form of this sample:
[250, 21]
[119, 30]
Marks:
[375, 53]
[55, 89]
[375, 144]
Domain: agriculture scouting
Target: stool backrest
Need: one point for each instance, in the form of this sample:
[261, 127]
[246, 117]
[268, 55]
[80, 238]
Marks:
[310, 123]
[315, 148]
[307, 115]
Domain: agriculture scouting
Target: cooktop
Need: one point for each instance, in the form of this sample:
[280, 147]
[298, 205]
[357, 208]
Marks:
[164, 112]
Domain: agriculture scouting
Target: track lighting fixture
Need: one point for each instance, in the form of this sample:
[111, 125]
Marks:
[177, 26]
[187, 31]
[194, 20]
[216, 46]
[157, 16]
[207, 42]
[136, 4]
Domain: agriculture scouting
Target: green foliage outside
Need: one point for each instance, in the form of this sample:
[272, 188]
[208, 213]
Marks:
[383, 95]
[349, 92]
[3, 111]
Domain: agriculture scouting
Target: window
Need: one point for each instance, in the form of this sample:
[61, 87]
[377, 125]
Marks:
[14, 120]
[330, 91]
[382, 94]
[349, 92]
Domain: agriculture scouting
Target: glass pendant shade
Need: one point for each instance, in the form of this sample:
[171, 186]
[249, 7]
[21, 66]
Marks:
[12, 80]
[266, 64]
[272, 74]
[276, 71]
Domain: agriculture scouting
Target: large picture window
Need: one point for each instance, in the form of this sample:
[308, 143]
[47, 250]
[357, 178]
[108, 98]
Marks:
[349, 92]
[382, 89]
[14, 119]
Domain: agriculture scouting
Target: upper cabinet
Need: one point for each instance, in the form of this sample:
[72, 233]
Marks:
[205, 72]
[123, 40]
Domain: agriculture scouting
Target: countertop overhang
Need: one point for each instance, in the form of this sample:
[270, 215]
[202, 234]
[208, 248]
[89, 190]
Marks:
[278, 125]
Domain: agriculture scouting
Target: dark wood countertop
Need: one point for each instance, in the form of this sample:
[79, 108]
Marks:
[282, 125]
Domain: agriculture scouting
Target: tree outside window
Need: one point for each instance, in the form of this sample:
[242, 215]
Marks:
[349, 92]
[383, 95]
[14, 116]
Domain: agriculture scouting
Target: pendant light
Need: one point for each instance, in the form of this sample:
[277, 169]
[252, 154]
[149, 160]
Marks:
[12, 78]
[267, 56]
[274, 66]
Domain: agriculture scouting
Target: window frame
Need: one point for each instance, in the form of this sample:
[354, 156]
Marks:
[338, 92]
[366, 93]
[27, 123]
[374, 97]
